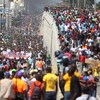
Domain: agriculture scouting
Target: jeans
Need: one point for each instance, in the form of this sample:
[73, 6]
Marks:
[51, 95]
[93, 93]
[19, 96]
[67, 96]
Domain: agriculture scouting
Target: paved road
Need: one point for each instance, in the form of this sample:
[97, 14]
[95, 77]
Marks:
[35, 8]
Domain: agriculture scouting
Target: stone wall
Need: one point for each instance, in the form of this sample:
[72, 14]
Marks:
[50, 36]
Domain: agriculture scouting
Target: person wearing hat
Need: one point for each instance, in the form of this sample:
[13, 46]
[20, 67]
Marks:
[6, 87]
[12, 73]
[7, 75]
[33, 74]
[20, 87]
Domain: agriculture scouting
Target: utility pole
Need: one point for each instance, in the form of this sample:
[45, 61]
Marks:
[1, 23]
[94, 5]
[7, 14]
[84, 3]
[1, 7]
[78, 3]
[4, 6]
[71, 3]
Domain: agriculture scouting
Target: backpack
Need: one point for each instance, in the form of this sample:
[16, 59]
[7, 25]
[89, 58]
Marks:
[36, 92]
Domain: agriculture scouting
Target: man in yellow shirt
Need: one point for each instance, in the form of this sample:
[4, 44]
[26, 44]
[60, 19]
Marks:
[67, 77]
[50, 81]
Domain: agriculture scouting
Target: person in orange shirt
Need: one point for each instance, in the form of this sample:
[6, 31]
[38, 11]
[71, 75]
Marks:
[20, 87]
[39, 64]
[84, 46]
[39, 84]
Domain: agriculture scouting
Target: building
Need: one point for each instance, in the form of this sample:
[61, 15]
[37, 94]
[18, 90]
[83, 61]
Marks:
[16, 6]
[9, 9]
[4, 11]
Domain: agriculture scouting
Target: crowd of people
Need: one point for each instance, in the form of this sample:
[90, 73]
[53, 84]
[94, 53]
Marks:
[23, 33]
[18, 73]
[21, 52]
[32, 78]
[79, 37]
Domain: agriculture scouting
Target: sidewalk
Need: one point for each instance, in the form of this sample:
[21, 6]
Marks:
[98, 90]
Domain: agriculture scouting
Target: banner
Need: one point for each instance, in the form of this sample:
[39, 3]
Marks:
[16, 55]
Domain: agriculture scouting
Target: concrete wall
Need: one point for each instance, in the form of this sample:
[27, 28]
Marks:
[50, 36]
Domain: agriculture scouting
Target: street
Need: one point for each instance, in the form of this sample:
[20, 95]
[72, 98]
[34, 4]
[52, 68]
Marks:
[58, 46]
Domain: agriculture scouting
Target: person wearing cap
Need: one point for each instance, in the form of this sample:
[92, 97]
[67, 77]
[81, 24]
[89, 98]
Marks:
[20, 87]
[6, 87]
[13, 72]
[33, 74]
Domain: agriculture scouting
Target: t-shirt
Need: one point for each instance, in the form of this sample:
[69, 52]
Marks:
[67, 79]
[82, 58]
[50, 80]
[98, 39]
[66, 27]
[75, 86]
[61, 27]
[39, 64]
[24, 79]
[84, 97]
[33, 79]
[6, 89]
[76, 73]
[1, 65]
[19, 85]
[69, 55]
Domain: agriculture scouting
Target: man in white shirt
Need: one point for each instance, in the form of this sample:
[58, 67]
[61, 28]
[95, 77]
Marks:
[6, 87]
[66, 27]
[85, 94]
